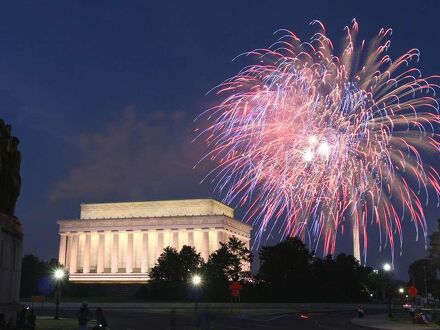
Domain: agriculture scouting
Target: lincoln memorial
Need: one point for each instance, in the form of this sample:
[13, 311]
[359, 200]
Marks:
[120, 242]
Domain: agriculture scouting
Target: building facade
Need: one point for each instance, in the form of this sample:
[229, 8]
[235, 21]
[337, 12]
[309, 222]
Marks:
[120, 242]
[11, 252]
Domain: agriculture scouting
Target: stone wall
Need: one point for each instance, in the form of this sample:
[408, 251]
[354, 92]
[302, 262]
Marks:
[11, 250]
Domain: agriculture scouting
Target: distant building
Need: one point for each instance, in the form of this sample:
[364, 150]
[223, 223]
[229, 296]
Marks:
[120, 242]
[11, 245]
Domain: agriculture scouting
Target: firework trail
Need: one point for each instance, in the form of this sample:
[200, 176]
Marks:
[320, 141]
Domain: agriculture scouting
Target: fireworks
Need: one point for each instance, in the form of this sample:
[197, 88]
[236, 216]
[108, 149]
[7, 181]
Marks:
[319, 139]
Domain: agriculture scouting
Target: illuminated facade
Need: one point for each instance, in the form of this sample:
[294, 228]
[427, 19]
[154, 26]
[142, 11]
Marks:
[120, 242]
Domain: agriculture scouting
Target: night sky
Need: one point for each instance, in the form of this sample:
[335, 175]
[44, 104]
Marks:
[102, 94]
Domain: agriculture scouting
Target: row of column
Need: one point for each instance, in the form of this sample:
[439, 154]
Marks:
[151, 248]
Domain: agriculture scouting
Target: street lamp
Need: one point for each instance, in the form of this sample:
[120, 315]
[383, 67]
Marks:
[401, 290]
[58, 274]
[196, 281]
[387, 268]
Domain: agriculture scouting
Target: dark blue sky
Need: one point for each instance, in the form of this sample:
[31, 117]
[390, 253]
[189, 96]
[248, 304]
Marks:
[102, 94]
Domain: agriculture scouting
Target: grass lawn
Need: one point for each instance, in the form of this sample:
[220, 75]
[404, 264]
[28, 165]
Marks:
[47, 322]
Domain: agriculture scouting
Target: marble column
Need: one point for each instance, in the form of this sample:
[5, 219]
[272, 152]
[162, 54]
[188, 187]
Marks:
[183, 238]
[198, 240]
[220, 238]
[205, 245]
[160, 243]
[212, 238]
[62, 252]
[73, 254]
[175, 241]
[129, 261]
[152, 248]
[115, 253]
[167, 238]
[101, 253]
[191, 238]
[144, 252]
[87, 250]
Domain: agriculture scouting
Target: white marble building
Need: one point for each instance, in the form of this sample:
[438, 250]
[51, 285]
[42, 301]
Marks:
[120, 242]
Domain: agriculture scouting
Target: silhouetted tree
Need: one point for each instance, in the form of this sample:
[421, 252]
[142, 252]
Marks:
[289, 271]
[423, 275]
[32, 270]
[350, 279]
[434, 246]
[285, 269]
[191, 262]
[36, 276]
[384, 286]
[168, 267]
[169, 277]
[227, 264]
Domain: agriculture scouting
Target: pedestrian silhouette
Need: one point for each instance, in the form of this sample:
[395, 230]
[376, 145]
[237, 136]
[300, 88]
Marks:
[84, 315]
[31, 320]
[100, 319]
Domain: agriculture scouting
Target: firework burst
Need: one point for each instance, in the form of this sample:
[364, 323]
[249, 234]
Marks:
[317, 141]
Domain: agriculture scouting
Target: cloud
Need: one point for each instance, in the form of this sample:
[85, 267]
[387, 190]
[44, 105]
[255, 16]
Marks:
[134, 158]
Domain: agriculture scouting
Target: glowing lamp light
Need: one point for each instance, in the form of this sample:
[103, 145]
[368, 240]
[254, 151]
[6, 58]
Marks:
[196, 280]
[386, 267]
[58, 274]
[401, 290]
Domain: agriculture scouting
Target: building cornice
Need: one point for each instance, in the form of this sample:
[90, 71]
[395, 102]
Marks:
[158, 223]
[161, 208]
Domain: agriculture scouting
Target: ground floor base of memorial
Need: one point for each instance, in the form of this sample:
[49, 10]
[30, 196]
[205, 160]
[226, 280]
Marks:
[114, 292]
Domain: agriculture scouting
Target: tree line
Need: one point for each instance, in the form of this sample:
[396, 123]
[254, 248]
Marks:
[288, 272]
[423, 272]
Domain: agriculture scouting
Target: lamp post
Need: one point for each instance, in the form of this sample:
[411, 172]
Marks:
[387, 269]
[196, 282]
[58, 274]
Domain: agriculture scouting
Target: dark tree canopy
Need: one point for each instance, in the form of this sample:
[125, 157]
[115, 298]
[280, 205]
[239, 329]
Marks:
[170, 277]
[291, 272]
[36, 276]
[228, 263]
[434, 246]
[168, 266]
[284, 262]
[173, 266]
[422, 275]
[10, 179]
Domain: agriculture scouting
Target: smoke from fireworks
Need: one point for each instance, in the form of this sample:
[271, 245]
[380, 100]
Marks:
[317, 140]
